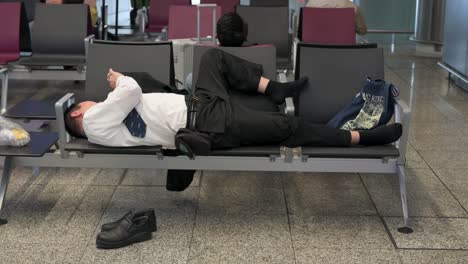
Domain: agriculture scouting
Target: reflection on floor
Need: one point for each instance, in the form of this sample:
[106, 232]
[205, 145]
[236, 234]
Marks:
[268, 217]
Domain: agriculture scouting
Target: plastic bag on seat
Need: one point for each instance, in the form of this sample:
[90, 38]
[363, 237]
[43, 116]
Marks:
[12, 134]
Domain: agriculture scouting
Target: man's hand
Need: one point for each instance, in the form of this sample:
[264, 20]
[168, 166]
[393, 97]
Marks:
[112, 77]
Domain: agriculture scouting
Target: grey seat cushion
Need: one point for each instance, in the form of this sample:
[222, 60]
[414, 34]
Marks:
[53, 60]
[39, 145]
[83, 145]
[352, 152]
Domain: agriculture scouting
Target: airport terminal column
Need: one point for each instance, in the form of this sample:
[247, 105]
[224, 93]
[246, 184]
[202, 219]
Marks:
[4, 184]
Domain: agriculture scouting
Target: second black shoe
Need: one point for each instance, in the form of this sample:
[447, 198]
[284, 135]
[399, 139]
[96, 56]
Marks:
[179, 180]
[149, 213]
[130, 230]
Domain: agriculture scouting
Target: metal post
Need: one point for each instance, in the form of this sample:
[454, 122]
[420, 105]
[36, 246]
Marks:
[116, 18]
[104, 32]
[103, 18]
[198, 25]
[213, 38]
[404, 200]
[4, 73]
[214, 6]
[4, 184]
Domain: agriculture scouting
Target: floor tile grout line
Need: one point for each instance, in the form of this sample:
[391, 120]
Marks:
[387, 229]
[97, 225]
[436, 249]
[427, 217]
[443, 183]
[287, 215]
[21, 196]
[123, 177]
[195, 217]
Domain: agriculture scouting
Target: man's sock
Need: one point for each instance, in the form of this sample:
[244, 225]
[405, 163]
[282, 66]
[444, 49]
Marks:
[380, 135]
[279, 91]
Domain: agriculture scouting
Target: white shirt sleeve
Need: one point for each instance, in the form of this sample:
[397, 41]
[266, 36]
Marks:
[123, 99]
[103, 122]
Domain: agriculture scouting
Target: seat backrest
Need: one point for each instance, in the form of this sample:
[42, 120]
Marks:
[159, 13]
[336, 75]
[29, 7]
[154, 58]
[333, 26]
[261, 54]
[226, 5]
[59, 29]
[269, 2]
[268, 25]
[9, 32]
[183, 21]
[25, 35]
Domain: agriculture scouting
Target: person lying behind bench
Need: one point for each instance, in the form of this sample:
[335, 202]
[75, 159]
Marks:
[129, 118]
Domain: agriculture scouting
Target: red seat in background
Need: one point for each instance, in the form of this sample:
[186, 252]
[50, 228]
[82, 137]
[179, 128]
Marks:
[183, 21]
[333, 26]
[10, 14]
[226, 5]
[159, 13]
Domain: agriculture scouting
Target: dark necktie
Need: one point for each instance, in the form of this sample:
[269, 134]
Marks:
[135, 124]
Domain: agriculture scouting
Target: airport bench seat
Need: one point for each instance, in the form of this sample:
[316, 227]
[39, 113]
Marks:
[350, 63]
[53, 60]
[58, 39]
[82, 145]
[40, 144]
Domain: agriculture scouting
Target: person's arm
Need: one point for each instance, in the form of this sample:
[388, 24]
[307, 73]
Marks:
[361, 27]
[125, 96]
[103, 123]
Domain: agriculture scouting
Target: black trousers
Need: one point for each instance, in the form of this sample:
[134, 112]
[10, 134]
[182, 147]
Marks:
[231, 123]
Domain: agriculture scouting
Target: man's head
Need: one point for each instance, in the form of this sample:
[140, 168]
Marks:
[74, 118]
[231, 30]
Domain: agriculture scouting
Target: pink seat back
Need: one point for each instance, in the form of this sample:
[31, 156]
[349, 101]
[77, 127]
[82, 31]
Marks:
[183, 21]
[159, 13]
[226, 5]
[328, 26]
[10, 14]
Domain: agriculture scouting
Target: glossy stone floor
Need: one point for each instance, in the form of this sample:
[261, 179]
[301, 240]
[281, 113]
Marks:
[268, 217]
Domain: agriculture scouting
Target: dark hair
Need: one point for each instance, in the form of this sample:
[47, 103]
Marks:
[71, 124]
[231, 30]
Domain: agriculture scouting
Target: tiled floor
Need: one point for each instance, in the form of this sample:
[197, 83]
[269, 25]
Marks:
[268, 217]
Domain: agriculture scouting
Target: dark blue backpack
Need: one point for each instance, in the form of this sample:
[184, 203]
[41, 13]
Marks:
[371, 107]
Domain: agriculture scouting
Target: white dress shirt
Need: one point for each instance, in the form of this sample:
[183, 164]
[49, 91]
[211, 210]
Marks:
[163, 113]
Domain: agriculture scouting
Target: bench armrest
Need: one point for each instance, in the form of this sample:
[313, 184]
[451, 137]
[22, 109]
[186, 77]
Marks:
[88, 40]
[403, 116]
[61, 106]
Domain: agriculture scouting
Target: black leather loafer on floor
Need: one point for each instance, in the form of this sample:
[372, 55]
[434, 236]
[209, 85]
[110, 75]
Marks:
[149, 213]
[130, 230]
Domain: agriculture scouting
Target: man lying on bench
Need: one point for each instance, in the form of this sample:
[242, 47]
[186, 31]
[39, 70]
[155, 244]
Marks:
[129, 118]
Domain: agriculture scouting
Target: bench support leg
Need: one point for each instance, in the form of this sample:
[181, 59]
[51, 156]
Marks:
[4, 92]
[36, 171]
[4, 185]
[404, 200]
